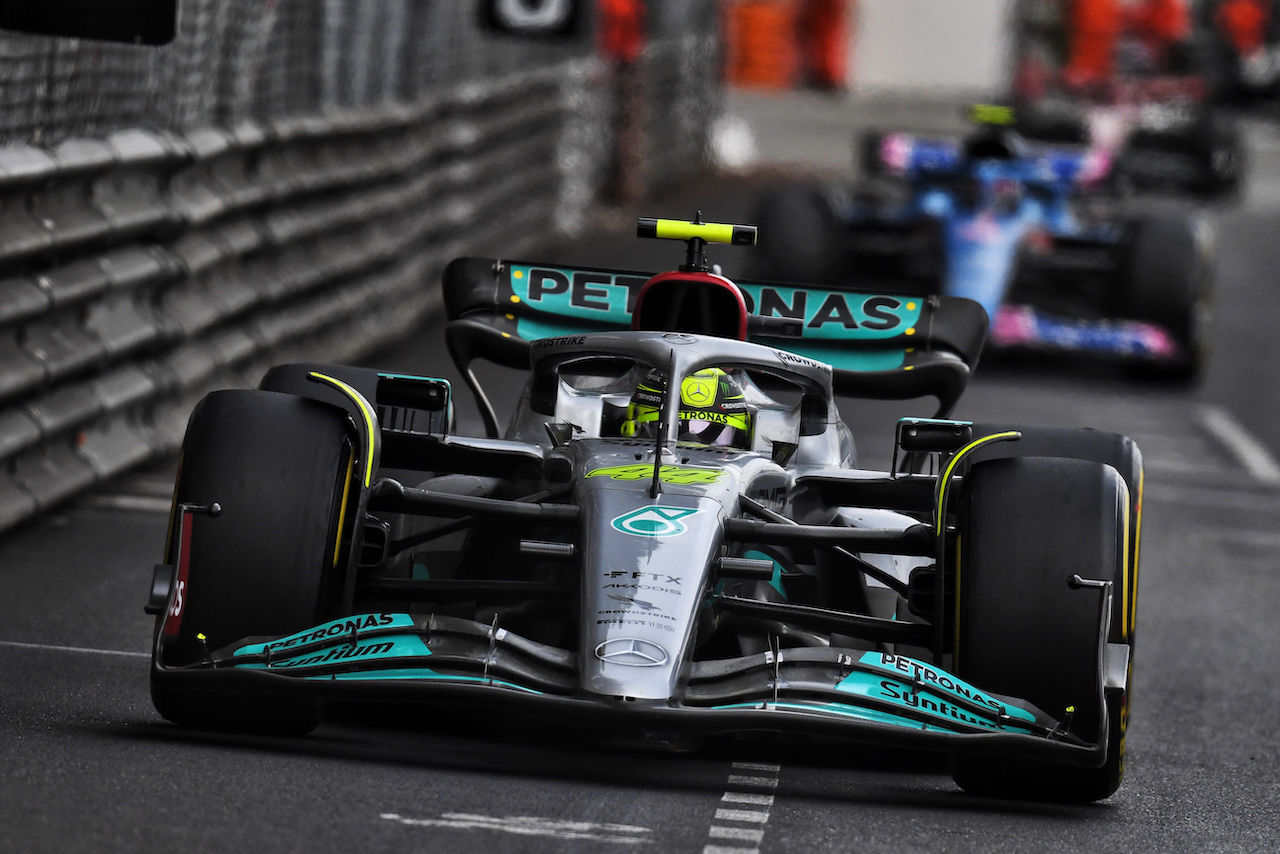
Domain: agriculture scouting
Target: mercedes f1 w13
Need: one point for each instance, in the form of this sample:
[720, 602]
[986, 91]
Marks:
[670, 539]
[1023, 230]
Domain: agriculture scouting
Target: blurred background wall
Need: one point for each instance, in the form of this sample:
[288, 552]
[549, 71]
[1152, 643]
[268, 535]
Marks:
[944, 47]
[931, 46]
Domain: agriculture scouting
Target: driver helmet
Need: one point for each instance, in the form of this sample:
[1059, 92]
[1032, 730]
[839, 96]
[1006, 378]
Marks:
[713, 408]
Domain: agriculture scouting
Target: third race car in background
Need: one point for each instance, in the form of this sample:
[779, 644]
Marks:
[1158, 135]
[1025, 230]
[1140, 86]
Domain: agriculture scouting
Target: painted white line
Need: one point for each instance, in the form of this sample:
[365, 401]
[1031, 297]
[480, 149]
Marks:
[741, 834]
[755, 782]
[744, 816]
[136, 503]
[523, 825]
[758, 766]
[1242, 445]
[80, 649]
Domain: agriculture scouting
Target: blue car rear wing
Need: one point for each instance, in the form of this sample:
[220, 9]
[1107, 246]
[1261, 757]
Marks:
[908, 156]
[880, 344]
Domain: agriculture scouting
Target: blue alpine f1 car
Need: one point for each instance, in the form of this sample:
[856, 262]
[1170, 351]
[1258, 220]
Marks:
[1029, 232]
[670, 540]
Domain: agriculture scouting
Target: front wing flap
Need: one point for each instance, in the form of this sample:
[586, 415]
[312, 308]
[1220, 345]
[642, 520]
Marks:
[861, 696]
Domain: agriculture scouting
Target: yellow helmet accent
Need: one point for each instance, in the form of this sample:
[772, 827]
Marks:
[703, 399]
[701, 389]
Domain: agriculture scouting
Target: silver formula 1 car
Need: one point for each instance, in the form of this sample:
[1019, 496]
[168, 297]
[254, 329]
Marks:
[670, 539]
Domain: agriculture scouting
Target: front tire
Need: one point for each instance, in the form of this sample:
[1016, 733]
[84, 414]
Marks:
[1029, 525]
[1099, 446]
[267, 564]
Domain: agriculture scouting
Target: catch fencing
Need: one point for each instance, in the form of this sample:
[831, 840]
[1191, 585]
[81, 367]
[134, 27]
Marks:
[283, 183]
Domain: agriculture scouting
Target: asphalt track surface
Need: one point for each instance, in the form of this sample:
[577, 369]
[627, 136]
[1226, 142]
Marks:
[87, 765]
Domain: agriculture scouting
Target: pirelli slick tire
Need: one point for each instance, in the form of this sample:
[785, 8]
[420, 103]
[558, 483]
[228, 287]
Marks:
[798, 240]
[1055, 121]
[1167, 278]
[1225, 157]
[277, 465]
[868, 160]
[1112, 449]
[1025, 627]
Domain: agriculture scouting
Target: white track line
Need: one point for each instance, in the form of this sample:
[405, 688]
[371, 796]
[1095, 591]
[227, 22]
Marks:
[525, 825]
[767, 767]
[747, 824]
[752, 816]
[80, 649]
[740, 834]
[756, 782]
[136, 503]
[1242, 445]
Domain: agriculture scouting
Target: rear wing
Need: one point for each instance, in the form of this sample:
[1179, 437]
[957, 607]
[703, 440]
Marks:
[880, 345]
[904, 155]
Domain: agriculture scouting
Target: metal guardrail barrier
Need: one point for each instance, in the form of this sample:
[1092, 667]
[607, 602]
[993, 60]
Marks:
[151, 268]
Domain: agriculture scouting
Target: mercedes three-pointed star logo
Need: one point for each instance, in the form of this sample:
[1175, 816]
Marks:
[632, 652]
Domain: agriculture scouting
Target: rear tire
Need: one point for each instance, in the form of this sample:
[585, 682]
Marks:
[1225, 157]
[1168, 280]
[868, 160]
[1054, 120]
[277, 465]
[798, 240]
[1027, 526]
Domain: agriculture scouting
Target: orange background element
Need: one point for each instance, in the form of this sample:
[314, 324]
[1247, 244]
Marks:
[761, 48]
[783, 44]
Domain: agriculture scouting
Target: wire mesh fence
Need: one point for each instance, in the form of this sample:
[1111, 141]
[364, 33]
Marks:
[237, 60]
[256, 59]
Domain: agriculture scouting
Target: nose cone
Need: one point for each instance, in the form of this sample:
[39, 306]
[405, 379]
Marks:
[645, 566]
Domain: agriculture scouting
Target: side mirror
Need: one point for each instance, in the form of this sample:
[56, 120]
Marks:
[409, 404]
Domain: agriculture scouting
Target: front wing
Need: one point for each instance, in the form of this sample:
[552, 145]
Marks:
[875, 697]
[1022, 327]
